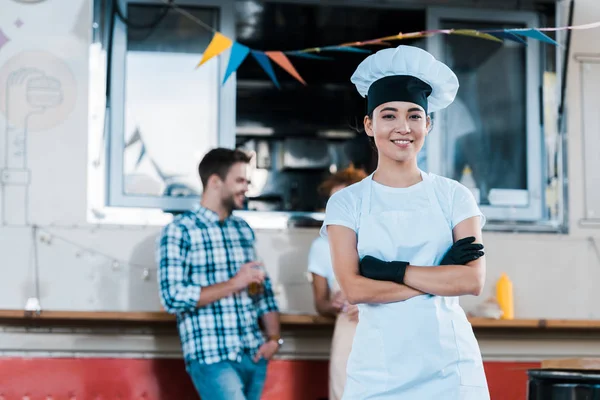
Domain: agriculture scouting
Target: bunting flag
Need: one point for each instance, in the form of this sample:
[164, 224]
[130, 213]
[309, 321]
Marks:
[217, 45]
[264, 62]
[284, 63]
[562, 28]
[345, 48]
[532, 33]
[474, 33]
[307, 55]
[509, 36]
[239, 52]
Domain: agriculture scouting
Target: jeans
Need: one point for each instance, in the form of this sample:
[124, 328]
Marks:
[229, 380]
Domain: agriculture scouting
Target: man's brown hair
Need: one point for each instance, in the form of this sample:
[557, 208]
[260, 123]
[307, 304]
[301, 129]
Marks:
[218, 161]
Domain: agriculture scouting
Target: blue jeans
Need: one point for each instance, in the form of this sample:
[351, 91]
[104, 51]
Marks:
[229, 380]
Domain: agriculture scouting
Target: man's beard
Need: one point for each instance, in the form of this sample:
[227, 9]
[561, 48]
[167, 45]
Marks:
[229, 203]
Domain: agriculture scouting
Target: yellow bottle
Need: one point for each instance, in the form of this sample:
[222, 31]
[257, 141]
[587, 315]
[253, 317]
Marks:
[504, 296]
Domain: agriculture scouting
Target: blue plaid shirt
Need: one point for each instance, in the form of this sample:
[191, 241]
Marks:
[196, 250]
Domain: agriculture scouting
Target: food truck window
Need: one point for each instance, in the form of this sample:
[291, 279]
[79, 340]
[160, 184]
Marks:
[300, 134]
[163, 113]
[490, 138]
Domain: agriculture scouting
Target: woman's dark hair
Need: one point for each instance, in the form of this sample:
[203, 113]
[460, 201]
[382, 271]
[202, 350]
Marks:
[371, 138]
[218, 161]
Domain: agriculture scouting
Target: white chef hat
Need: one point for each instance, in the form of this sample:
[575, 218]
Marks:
[405, 73]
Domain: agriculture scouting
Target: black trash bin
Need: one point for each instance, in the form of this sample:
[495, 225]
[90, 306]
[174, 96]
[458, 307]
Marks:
[547, 384]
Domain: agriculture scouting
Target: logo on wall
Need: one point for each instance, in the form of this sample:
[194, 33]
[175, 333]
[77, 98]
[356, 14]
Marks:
[39, 93]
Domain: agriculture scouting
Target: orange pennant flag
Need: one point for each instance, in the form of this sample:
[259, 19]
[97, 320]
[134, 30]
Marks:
[217, 45]
[282, 60]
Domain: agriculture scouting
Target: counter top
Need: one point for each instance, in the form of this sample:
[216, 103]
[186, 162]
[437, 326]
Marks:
[287, 320]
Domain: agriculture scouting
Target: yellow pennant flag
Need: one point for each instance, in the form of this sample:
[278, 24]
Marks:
[474, 33]
[217, 45]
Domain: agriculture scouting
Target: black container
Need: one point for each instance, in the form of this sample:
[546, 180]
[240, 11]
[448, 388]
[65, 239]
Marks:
[545, 384]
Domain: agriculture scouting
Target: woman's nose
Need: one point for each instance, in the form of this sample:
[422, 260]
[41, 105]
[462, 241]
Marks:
[402, 127]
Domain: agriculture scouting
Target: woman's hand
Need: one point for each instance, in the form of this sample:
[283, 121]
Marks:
[462, 270]
[352, 312]
[463, 252]
[338, 301]
[374, 268]
[326, 304]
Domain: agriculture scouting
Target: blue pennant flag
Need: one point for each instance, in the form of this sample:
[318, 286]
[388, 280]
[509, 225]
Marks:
[238, 55]
[345, 48]
[304, 54]
[532, 33]
[264, 62]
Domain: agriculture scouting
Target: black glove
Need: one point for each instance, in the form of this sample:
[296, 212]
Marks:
[463, 252]
[373, 268]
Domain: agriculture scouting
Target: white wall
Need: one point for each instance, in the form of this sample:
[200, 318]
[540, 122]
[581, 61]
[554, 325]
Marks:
[554, 276]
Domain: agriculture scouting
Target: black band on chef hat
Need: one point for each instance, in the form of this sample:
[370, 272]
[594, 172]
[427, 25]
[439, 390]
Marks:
[398, 88]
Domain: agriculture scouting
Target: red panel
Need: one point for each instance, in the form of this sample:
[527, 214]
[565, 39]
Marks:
[164, 379]
[508, 380]
[94, 379]
[296, 380]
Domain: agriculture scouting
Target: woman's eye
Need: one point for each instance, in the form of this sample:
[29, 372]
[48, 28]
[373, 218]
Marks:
[416, 116]
[388, 116]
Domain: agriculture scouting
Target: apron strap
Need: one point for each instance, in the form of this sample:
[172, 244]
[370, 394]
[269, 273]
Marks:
[433, 199]
[365, 199]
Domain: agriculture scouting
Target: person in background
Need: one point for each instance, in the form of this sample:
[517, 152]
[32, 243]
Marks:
[206, 262]
[329, 300]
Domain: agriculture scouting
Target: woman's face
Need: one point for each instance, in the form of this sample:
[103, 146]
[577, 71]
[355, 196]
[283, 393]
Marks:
[399, 129]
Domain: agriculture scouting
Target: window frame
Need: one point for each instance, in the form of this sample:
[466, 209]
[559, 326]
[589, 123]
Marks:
[501, 215]
[589, 140]
[116, 122]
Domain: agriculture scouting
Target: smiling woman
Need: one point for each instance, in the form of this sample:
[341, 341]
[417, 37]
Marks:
[405, 244]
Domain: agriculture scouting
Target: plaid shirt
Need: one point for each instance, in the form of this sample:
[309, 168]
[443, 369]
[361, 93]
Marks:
[196, 250]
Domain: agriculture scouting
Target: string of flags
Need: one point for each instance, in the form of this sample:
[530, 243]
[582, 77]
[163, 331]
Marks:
[238, 52]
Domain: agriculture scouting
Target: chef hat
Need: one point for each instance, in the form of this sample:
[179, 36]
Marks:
[405, 73]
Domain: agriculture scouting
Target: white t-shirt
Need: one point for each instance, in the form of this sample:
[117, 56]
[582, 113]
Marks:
[456, 201]
[319, 261]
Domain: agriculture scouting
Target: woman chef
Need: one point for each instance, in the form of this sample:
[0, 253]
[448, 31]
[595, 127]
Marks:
[405, 244]
[329, 301]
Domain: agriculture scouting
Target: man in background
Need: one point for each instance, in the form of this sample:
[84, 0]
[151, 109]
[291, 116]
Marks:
[207, 263]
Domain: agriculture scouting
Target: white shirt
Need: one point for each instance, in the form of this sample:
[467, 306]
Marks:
[319, 261]
[457, 202]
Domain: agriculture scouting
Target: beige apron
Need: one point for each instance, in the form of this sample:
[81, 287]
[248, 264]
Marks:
[341, 344]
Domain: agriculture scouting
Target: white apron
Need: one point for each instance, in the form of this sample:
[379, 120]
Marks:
[341, 344]
[422, 348]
